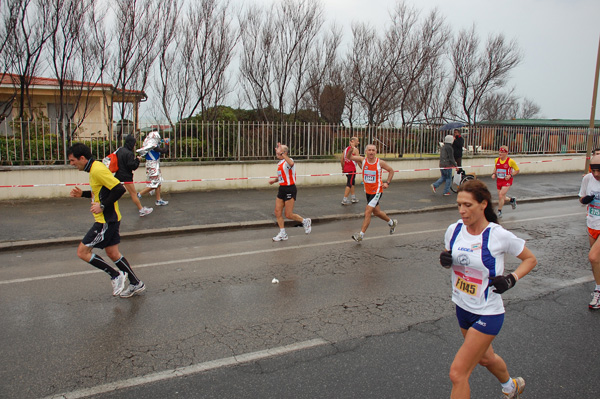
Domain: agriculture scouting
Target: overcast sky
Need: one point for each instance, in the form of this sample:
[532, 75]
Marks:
[558, 40]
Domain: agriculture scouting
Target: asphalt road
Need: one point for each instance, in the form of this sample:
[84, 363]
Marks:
[369, 320]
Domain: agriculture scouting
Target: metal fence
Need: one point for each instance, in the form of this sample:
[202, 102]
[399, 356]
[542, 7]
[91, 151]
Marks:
[36, 143]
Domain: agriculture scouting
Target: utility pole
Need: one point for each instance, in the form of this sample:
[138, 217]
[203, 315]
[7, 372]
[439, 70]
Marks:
[593, 113]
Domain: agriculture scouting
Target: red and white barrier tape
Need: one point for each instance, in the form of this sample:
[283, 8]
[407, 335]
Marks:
[271, 177]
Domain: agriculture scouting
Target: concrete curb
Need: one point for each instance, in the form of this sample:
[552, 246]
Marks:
[27, 244]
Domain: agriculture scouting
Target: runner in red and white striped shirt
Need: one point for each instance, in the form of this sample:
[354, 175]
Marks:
[286, 197]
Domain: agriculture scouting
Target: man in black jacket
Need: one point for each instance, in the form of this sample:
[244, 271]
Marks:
[457, 146]
[128, 162]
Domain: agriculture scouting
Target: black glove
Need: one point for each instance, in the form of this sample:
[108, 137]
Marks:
[503, 283]
[587, 199]
[446, 259]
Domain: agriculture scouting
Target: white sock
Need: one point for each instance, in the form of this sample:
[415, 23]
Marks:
[282, 231]
[345, 199]
[509, 386]
[391, 222]
[597, 287]
[362, 234]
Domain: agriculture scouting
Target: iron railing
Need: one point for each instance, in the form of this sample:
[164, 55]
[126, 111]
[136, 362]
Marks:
[42, 143]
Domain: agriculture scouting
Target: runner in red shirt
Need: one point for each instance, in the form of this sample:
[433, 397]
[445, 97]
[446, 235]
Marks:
[504, 170]
[349, 168]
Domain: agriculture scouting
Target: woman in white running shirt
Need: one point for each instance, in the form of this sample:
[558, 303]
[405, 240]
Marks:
[475, 249]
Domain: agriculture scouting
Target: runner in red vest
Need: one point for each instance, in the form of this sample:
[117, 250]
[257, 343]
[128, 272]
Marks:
[504, 171]
[374, 185]
[349, 168]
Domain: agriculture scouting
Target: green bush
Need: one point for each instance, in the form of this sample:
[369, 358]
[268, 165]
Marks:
[41, 150]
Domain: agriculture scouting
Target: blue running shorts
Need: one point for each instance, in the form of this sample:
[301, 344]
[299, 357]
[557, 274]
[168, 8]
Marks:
[486, 324]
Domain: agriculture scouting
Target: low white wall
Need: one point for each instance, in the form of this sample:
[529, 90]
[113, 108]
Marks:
[51, 181]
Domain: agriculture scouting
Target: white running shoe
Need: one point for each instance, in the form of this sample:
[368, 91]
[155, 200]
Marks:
[161, 202]
[357, 237]
[346, 202]
[118, 283]
[354, 200]
[519, 388]
[139, 195]
[307, 223]
[499, 214]
[145, 211]
[513, 202]
[133, 290]
[393, 226]
[595, 304]
[280, 237]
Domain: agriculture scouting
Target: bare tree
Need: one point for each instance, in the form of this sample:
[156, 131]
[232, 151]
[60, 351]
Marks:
[137, 29]
[193, 64]
[529, 109]
[371, 64]
[26, 45]
[323, 71]
[424, 47]
[276, 48]
[506, 105]
[332, 102]
[498, 106]
[8, 24]
[215, 38]
[434, 94]
[98, 51]
[478, 74]
[169, 62]
[255, 63]
[73, 62]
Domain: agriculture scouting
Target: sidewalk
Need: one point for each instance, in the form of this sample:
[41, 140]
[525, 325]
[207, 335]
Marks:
[34, 223]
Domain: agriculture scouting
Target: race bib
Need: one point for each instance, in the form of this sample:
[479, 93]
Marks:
[370, 176]
[466, 287]
[593, 210]
[468, 280]
[501, 173]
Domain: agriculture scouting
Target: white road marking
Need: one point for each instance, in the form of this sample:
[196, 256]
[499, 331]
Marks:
[570, 283]
[193, 369]
[260, 251]
[213, 257]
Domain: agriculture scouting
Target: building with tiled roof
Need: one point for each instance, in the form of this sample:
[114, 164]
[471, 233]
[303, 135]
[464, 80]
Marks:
[94, 107]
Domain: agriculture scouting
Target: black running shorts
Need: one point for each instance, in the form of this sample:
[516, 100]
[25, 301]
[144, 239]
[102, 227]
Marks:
[102, 235]
[350, 179]
[287, 193]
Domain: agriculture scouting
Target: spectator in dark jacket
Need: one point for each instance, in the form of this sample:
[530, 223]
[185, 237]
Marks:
[446, 161]
[128, 162]
[457, 146]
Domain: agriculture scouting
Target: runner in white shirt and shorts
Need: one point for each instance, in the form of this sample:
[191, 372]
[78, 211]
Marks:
[475, 248]
[589, 195]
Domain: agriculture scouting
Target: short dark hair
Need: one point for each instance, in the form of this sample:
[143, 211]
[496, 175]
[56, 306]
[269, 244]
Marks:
[480, 192]
[78, 150]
